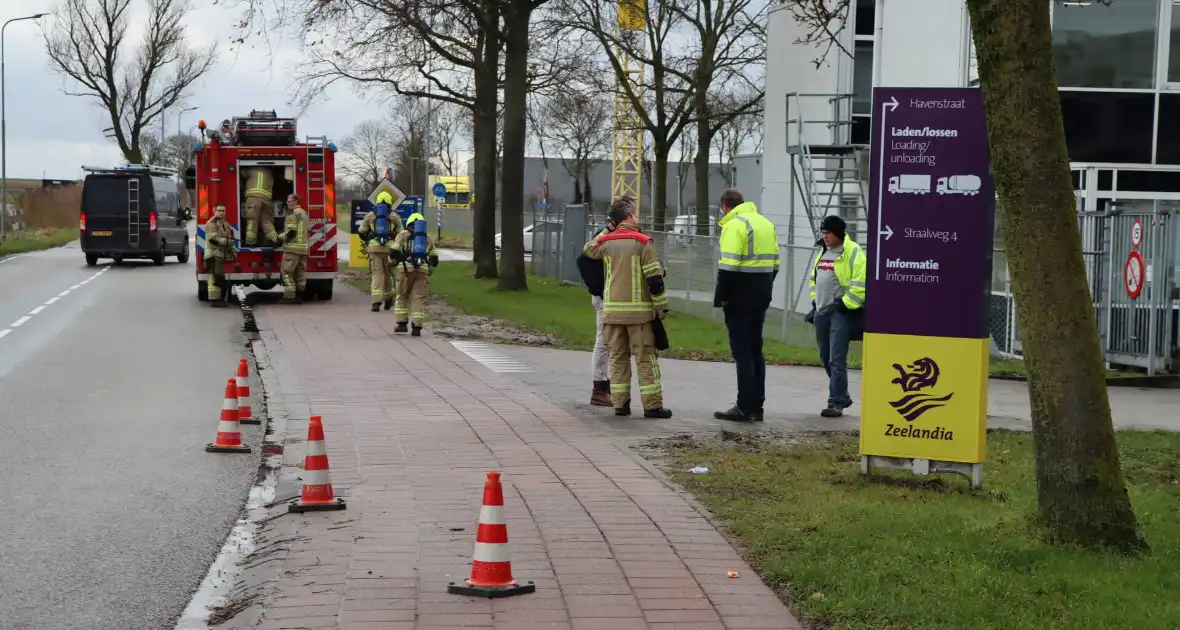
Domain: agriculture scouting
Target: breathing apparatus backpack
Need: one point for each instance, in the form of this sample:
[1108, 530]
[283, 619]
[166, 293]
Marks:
[420, 246]
[382, 233]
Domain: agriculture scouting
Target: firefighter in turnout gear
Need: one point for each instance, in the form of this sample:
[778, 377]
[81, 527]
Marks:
[295, 249]
[633, 296]
[375, 241]
[415, 256]
[259, 186]
[219, 250]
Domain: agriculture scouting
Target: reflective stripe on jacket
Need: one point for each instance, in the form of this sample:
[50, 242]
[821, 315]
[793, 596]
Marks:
[631, 266]
[259, 183]
[851, 272]
[298, 222]
[749, 243]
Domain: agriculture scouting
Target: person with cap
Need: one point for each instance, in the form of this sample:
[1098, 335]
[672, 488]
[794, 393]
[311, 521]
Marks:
[376, 248]
[838, 280]
[593, 274]
[746, 272]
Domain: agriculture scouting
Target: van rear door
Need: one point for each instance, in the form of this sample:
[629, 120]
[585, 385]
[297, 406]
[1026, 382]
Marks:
[117, 211]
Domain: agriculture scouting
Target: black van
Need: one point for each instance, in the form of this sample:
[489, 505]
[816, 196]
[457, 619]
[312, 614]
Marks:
[133, 212]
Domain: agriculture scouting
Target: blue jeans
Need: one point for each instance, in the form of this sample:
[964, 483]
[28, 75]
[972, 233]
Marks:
[831, 335]
[745, 343]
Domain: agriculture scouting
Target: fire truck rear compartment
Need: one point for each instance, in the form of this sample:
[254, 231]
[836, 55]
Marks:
[280, 172]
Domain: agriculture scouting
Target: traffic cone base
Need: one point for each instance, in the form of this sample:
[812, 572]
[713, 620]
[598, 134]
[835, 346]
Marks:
[245, 412]
[491, 568]
[317, 494]
[229, 434]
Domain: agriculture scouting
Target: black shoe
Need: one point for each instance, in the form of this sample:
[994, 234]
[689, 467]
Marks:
[401, 327]
[388, 304]
[625, 410]
[416, 332]
[218, 304]
[288, 300]
[661, 412]
[832, 411]
[376, 307]
[735, 414]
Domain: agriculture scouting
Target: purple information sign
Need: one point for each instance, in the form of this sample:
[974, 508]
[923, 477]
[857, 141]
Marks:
[931, 214]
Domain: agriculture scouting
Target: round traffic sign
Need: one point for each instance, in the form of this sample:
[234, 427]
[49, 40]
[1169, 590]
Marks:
[439, 190]
[1136, 233]
[1134, 273]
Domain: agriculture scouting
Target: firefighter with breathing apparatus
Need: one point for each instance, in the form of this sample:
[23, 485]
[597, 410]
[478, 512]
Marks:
[377, 229]
[414, 253]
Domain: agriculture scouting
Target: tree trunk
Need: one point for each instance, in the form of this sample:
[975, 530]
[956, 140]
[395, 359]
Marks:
[704, 144]
[577, 190]
[516, 51]
[1081, 495]
[659, 186]
[587, 195]
[484, 148]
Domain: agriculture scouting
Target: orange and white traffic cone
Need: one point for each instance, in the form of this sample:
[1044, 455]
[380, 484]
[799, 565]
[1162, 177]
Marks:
[229, 433]
[491, 569]
[245, 412]
[317, 494]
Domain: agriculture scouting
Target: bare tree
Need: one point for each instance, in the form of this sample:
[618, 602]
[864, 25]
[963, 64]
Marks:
[134, 82]
[742, 134]
[446, 122]
[369, 151]
[1081, 492]
[663, 103]
[688, 153]
[577, 121]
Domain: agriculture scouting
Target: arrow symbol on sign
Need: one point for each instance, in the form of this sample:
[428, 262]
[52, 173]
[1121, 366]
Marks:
[887, 232]
[886, 106]
[891, 103]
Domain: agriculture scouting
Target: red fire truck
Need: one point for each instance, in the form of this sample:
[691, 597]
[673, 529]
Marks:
[307, 169]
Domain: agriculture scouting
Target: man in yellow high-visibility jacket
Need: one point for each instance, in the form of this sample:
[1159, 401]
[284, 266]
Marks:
[838, 279]
[745, 281]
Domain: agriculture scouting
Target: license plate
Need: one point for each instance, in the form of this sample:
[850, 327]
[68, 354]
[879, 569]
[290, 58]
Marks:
[101, 233]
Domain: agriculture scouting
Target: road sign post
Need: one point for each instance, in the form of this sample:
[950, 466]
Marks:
[359, 208]
[931, 226]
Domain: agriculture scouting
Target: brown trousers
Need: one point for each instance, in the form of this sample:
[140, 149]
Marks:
[633, 340]
[413, 285]
[381, 283]
[216, 280]
[258, 209]
[293, 268]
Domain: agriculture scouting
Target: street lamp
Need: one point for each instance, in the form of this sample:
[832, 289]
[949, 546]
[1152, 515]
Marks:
[4, 130]
[182, 113]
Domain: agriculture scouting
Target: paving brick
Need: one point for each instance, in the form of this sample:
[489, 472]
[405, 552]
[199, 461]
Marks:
[607, 546]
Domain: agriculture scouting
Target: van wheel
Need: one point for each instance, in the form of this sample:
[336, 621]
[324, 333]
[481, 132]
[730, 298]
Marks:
[182, 257]
[118, 260]
[158, 257]
[91, 260]
[202, 291]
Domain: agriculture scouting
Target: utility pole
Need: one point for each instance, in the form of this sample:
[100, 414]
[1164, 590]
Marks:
[4, 130]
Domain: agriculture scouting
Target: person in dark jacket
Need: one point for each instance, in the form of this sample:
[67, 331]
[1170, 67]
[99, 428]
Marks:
[746, 272]
[594, 276]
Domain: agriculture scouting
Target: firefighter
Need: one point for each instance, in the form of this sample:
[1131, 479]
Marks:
[376, 249]
[259, 185]
[632, 298]
[294, 241]
[225, 133]
[220, 249]
[414, 253]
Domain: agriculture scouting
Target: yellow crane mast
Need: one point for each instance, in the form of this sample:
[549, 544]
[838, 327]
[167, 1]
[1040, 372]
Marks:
[627, 129]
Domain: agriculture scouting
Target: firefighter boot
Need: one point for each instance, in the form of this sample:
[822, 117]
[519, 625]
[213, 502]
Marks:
[401, 327]
[416, 331]
[376, 307]
[662, 412]
[600, 394]
[219, 303]
[388, 304]
[625, 410]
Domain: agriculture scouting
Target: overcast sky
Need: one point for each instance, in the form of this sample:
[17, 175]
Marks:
[52, 134]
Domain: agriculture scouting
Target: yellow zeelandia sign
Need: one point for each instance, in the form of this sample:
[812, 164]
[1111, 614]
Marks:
[925, 397]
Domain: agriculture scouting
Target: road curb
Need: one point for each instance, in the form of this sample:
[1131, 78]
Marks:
[247, 569]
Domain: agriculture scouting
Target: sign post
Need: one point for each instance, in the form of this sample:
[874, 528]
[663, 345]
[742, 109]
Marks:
[361, 207]
[931, 227]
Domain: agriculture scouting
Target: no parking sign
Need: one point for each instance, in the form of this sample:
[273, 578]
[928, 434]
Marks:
[1134, 273]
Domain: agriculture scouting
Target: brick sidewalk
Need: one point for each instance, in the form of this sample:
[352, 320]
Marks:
[412, 425]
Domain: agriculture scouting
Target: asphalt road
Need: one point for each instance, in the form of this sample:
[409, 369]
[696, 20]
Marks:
[111, 382]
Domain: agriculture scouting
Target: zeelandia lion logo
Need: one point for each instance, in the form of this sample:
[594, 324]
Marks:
[920, 375]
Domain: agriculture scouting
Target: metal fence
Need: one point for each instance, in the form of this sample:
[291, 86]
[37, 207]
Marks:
[1135, 331]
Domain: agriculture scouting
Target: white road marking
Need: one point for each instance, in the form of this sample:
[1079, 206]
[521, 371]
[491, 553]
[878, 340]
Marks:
[36, 311]
[8, 258]
[490, 358]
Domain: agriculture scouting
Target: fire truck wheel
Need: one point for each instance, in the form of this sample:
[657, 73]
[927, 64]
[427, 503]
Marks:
[321, 288]
[202, 291]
